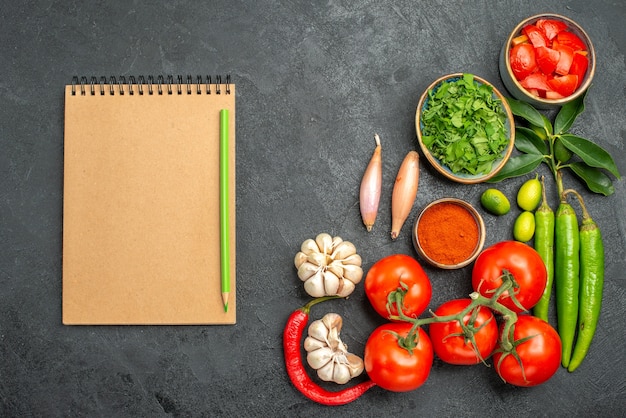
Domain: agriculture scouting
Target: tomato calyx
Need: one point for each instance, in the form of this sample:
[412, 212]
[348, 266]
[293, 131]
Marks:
[410, 341]
[510, 285]
[397, 295]
[511, 350]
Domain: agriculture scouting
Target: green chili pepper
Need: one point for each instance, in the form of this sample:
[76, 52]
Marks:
[544, 244]
[566, 275]
[591, 283]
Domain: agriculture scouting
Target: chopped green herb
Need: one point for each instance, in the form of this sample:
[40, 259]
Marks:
[464, 125]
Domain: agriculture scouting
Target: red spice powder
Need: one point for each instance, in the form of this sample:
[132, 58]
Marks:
[448, 233]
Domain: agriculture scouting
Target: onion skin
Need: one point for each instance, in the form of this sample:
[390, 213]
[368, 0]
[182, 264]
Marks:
[404, 192]
[371, 185]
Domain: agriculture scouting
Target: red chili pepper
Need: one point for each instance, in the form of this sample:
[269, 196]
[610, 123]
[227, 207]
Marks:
[298, 375]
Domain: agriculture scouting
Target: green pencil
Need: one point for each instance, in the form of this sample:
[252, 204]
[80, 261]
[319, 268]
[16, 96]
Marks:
[224, 217]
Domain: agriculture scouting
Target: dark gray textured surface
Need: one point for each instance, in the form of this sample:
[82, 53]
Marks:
[314, 83]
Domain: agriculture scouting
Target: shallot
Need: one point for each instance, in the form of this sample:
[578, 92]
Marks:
[404, 192]
[371, 187]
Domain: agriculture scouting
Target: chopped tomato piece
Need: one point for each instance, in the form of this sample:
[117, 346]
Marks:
[564, 85]
[566, 55]
[553, 95]
[534, 92]
[547, 59]
[536, 37]
[522, 59]
[538, 81]
[551, 27]
[570, 39]
[579, 66]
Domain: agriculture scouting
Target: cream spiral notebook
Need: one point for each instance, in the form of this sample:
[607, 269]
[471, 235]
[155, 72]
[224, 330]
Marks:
[141, 237]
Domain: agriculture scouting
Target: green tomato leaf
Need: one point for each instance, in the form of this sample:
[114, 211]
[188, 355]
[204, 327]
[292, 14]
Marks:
[568, 113]
[526, 111]
[596, 180]
[526, 140]
[592, 154]
[517, 166]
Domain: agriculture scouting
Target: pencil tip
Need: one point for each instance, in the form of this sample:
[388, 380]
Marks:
[226, 307]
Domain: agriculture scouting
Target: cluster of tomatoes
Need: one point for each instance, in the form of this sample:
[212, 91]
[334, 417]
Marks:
[508, 279]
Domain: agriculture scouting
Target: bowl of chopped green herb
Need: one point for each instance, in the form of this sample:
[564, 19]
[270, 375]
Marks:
[465, 128]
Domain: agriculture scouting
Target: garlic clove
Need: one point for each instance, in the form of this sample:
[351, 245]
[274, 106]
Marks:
[324, 242]
[353, 259]
[331, 283]
[318, 259]
[325, 372]
[343, 250]
[355, 364]
[333, 321]
[309, 246]
[306, 270]
[346, 287]
[314, 285]
[319, 358]
[335, 342]
[341, 373]
[352, 273]
[312, 344]
[336, 242]
[336, 267]
[318, 330]
[299, 259]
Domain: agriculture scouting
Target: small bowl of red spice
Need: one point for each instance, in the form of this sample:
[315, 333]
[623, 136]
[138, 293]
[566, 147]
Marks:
[449, 233]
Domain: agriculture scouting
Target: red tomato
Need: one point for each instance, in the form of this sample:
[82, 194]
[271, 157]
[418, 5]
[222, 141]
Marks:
[393, 367]
[547, 59]
[536, 81]
[564, 85]
[550, 27]
[536, 37]
[579, 67]
[522, 262]
[566, 55]
[539, 349]
[402, 273]
[522, 58]
[454, 345]
[572, 40]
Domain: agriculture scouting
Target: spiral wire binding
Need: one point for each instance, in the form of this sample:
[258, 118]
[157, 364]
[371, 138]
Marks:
[160, 85]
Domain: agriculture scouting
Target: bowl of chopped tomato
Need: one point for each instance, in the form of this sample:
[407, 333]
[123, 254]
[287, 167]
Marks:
[547, 61]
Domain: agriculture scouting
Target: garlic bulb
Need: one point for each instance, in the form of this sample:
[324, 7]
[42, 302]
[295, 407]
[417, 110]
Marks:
[327, 354]
[328, 266]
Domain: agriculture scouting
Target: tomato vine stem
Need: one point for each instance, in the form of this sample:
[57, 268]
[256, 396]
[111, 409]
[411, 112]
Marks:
[477, 300]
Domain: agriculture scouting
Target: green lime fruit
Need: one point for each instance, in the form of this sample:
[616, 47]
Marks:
[529, 194]
[561, 153]
[524, 227]
[494, 201]
[540, 131]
